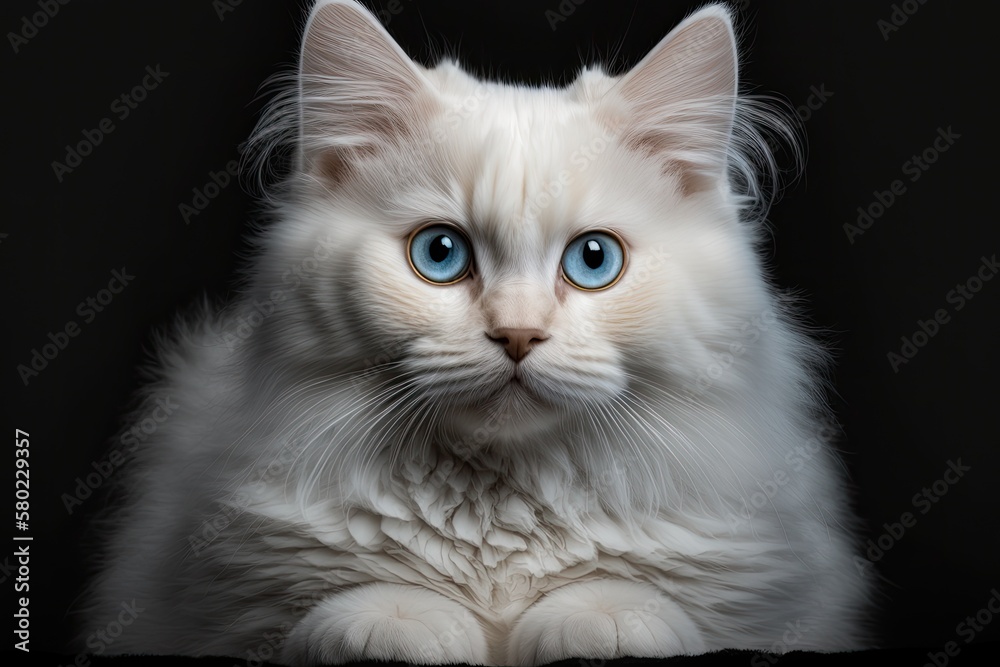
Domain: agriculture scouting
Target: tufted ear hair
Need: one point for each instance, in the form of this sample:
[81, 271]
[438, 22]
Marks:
[681, 98]
[357, 89]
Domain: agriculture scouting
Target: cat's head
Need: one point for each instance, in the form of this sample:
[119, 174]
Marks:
[512, 256]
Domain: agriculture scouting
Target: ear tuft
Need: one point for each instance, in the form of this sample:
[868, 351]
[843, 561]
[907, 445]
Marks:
[681, 98]
[358, 89]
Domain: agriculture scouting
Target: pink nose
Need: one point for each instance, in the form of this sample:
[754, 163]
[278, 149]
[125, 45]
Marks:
[517, 342]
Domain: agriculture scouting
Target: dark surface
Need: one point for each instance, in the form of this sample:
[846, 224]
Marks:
[974, 654]
[120, 208]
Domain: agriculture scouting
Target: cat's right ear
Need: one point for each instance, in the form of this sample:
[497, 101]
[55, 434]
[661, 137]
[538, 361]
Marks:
[358, 90]
[683, 97]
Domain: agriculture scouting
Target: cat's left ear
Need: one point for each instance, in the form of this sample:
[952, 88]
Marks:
[358, 89]
[682, 98]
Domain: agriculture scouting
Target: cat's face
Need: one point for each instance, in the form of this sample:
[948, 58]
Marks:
[526, 255]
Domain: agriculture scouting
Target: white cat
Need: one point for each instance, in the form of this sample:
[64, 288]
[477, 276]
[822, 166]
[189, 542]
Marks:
[507, 385]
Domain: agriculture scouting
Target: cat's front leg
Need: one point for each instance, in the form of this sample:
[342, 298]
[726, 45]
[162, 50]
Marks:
[386, 622]
[603, 619]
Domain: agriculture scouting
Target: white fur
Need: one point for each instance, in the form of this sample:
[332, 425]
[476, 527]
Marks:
[350, 473]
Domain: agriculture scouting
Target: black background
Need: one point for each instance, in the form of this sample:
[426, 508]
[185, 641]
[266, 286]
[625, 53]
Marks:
[887, 99]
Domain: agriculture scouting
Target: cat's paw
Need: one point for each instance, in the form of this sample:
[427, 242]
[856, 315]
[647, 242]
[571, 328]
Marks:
[386, 622]
[603, 619]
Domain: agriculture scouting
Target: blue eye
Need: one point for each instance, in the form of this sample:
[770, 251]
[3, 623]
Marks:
[439, 254]
[594, 261]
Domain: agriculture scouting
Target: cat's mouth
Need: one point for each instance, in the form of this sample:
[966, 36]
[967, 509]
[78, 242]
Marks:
[518, 388]
[517, 383]
[513, 411]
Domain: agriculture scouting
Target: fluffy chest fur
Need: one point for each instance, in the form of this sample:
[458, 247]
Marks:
[495, 540]
[466, 533]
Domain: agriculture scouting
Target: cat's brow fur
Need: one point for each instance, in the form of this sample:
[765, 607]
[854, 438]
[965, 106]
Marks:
[347, 442]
